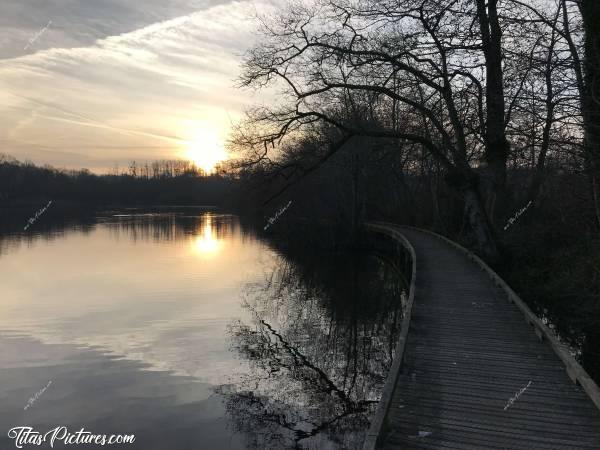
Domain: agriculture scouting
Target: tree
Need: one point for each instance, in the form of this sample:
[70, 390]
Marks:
[497, 147]
[421, 58]
[579, 30]
[590, 13]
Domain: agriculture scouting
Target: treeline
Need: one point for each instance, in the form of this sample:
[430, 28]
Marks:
[162, 169]
[477, 118]
[164, 182]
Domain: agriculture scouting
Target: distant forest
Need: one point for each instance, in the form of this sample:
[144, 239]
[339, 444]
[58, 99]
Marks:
[157, 183]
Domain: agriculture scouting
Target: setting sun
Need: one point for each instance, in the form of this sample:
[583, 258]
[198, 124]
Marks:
[206, 150]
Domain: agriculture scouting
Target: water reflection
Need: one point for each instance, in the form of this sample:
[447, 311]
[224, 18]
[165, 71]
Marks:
[320, 344]
[106, 394]
[187, 330]
[128, 321]
[207, 241]
[135, 286]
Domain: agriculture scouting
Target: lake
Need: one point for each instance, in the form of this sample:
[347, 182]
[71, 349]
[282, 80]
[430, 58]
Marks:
[191, 330]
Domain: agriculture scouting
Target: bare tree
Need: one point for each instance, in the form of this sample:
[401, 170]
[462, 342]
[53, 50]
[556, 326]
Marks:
[578, 28]
[417, 57]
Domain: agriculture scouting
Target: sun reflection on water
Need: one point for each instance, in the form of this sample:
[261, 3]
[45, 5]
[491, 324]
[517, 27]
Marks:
[206, 242]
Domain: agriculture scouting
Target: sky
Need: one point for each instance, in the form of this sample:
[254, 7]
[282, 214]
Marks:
[98, 83]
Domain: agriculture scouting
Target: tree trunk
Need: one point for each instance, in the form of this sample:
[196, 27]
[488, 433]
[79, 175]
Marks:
[538, 176]
[497, 146]
[595, 197]
[480, 226]
[590, 12]
[588, 84]
[358, 204]
[438, 223]
[466, 182]
[405, 191]
[589, 354]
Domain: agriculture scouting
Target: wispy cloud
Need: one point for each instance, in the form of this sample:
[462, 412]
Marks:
[80, 24]
[146, 88]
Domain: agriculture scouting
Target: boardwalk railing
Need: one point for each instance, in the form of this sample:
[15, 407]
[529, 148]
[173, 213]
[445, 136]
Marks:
[574, 370]
[378, 422]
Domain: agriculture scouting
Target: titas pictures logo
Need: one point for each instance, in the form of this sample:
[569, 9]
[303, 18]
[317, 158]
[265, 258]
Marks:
[32, 220]
[37, 395]
[24, 435]
[37, 35]
[273, 219]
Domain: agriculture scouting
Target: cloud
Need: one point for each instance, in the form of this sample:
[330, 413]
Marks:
[148, 88]
[80, 24]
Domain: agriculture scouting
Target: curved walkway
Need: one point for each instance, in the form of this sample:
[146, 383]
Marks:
[474, 374]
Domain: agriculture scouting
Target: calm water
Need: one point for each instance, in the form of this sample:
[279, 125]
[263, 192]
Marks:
[190, 332]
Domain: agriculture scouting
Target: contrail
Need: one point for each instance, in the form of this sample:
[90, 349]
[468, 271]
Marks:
[88, 121]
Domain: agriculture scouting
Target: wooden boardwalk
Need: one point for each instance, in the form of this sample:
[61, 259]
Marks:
[468, 351]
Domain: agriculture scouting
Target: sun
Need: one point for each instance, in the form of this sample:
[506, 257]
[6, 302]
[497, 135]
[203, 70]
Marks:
[206, 150]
